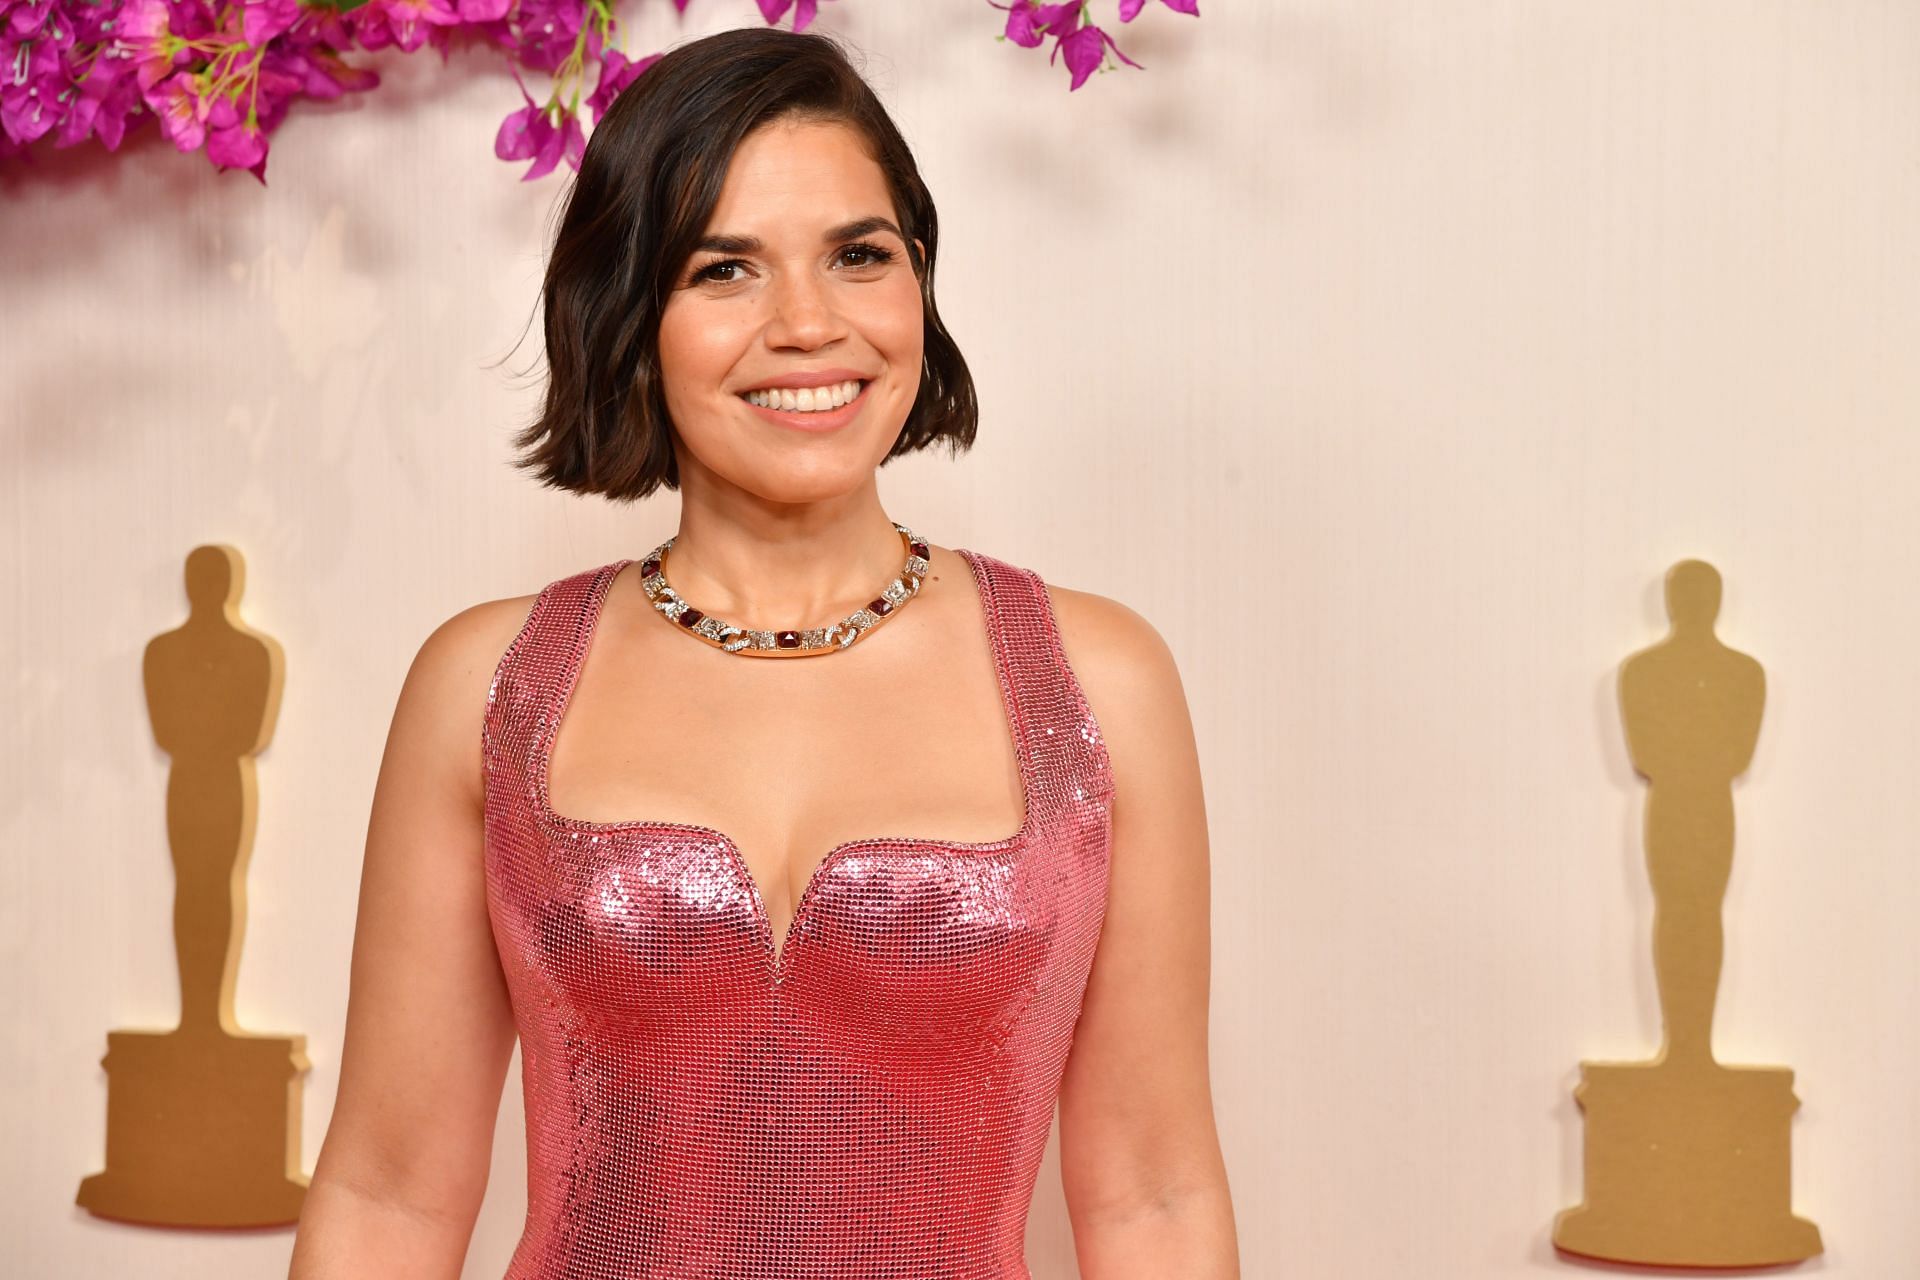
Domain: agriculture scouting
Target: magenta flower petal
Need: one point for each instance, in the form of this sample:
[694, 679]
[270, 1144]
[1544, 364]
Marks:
[522, 134]
[1083, 54]
[1058, 19]
[320, 73]
[27, 20]
[78, 124]
[142, 23]
[181, 109]
[554, 142]
[616, 73]
[119, 102]
[30, 96]
[1084, 50]
[24, 117]
[803, 11]
[265, 19]
[236, 146]
[1021, 27]
[405, 23]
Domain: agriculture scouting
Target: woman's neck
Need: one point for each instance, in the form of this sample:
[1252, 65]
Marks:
[799, 566]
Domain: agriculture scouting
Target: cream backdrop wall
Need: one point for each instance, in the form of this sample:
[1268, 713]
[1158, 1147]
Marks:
[1383, 356]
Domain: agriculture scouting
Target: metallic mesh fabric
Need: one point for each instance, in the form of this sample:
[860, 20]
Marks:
[872, 1098]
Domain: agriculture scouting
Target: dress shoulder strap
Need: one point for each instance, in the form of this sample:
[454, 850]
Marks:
[1067, 756]
[1063, 751]
[537, 670]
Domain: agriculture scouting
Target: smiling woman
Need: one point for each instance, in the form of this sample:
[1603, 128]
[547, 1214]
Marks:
[759, 173]
[802, 957]
[745, 294]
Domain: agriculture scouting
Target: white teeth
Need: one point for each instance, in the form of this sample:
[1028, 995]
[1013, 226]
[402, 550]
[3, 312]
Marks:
[805, 399]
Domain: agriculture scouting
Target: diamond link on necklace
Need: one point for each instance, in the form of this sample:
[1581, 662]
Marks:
[803, 642]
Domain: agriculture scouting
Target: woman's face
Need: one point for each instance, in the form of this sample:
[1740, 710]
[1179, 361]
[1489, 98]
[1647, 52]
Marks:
[803, 271]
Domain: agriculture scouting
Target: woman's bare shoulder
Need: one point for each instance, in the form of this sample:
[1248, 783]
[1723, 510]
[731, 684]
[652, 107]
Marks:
[1107, 641]
[1125, 668]
[443, 701]
[454, 668]
[471, 643]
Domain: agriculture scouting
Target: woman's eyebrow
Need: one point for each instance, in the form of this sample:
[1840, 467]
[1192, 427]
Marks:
[845, 231]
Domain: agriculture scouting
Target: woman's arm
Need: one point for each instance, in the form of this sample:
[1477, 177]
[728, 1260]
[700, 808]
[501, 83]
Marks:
[1145, 1184]
[429, 1029]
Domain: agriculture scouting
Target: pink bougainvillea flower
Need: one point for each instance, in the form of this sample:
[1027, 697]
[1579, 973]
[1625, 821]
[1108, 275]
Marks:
[83, 106]
[233, 141]
[318, 72]
[26, 20]
[30, 94]
[182, 110]
[616, 73]
[403, 23]
[482, 10]
[102, 100]
[222, 74]
[265, 19]
[281, 80]
[774, 10]
[143, 26]
[565, 141]
[531, 133]
[1028, 23]
[1129, 9]
[524, 132]
[543, 33]
[1084, 50]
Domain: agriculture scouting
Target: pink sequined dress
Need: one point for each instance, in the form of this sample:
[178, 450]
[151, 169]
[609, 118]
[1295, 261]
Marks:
[873, 1099]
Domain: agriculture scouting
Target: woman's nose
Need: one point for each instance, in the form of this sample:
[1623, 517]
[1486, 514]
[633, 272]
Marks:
[803, 311]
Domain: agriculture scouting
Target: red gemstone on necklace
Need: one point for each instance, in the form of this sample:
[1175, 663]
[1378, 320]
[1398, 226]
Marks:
[649, 567]
[690, 615]
[882, 606]
[920, 549]
[787, 639]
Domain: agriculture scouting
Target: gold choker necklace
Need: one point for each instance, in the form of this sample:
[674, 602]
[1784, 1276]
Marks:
[798, 642]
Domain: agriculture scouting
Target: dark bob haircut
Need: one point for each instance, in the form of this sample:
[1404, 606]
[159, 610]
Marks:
[648, 181]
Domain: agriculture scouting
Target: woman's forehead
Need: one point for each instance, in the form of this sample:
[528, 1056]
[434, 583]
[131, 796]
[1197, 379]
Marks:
[809, 167]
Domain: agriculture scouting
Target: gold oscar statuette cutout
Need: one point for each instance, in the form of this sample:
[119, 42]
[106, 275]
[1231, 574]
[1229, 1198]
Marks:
[1688, 1161]
[203, 1121]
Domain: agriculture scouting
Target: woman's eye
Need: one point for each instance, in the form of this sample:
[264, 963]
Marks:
[709, 271]
[874, 254]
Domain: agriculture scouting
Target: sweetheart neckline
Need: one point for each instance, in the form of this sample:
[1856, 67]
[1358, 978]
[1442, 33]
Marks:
[779, 959]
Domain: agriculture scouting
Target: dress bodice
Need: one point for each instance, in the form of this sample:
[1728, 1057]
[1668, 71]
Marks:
[870, 1101]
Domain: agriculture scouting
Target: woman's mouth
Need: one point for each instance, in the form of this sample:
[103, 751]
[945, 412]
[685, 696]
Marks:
[810, 408]
[805, 399]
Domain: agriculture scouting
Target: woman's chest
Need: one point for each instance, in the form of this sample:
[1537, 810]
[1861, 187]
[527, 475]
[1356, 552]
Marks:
[654, 931]
[791, 764]
[910, 840]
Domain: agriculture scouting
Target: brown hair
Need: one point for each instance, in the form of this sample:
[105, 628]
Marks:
[649, 179]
